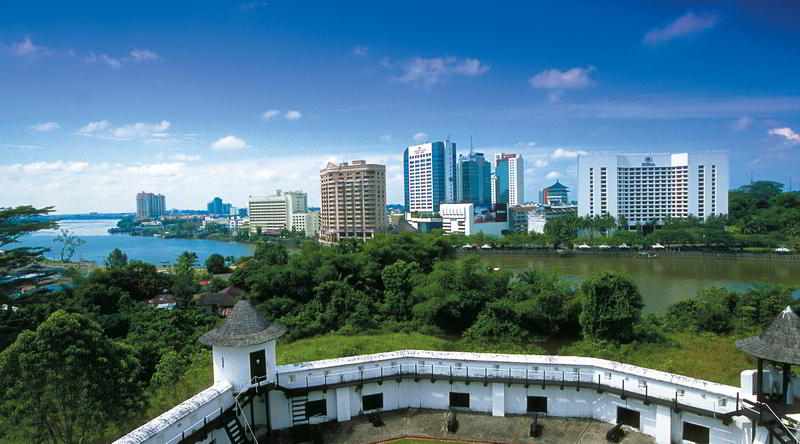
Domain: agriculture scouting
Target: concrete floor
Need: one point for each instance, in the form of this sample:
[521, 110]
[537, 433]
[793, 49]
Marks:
[472, 426]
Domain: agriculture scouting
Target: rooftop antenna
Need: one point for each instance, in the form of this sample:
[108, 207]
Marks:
[470, 145]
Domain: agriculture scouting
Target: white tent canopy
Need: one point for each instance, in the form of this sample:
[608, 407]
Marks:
[782, 250]
[583, 246]
[604, 246]
[486, 247]
[624, 246]
[659, 246]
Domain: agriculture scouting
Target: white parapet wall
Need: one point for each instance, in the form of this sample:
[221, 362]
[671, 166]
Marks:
[186, 417]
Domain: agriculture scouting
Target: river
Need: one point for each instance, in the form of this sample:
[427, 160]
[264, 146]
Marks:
[661, 280]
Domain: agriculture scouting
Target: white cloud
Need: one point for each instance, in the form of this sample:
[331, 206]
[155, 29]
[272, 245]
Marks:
[555, 96]
[26, 48]
[573, 78]
[144, 55]
[427, 72]
[420, 136]
[45, 126]
[156, 169]
[139, 130]
[270, 114]
[540, 163]
[553, 175]
[229, 143]
[293, 115]
[561, 153]
[111, 62]
[526, 144]
[742, 123]
[360, 50]
[386, 138]
[686, 25]
[46, 167]
[252, 6]
[792, 137]
[181, 157]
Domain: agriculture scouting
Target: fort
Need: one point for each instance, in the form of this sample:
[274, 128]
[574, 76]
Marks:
[253, 397]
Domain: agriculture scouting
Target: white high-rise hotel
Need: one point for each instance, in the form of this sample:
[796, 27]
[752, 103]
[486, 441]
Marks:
[647, 187]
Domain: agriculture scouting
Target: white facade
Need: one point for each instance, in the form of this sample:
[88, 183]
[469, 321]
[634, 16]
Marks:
[424, 193]
[275, 212]
[647, 187]
[460, 218]
[238, 222]
[308, 223]
[516, 181]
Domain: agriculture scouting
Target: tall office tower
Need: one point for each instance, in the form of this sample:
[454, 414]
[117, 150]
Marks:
[430, 176]
[644, 188]
[352, 201]
[509, 179]
[149, 205]
[274, 213]
[473, 178]
[216, 206]
[555, 194]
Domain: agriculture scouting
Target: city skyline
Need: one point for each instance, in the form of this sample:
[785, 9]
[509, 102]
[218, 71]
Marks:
[235, 99]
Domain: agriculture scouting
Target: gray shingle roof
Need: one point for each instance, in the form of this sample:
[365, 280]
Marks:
[779, 343]
[245, 326]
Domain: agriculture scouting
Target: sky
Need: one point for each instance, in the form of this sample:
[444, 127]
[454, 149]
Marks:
[101, 100]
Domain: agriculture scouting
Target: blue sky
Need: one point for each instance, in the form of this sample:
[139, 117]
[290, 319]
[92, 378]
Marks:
[100, 100]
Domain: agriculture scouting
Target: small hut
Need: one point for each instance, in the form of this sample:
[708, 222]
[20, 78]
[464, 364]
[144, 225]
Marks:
[779, 345]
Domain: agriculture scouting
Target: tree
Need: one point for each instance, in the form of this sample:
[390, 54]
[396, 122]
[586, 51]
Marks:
[70, 243]
[184, 285]
[67, 382]
[215, 264]
[116, 259]
[612, 306]
[16, 222]
[270, 253]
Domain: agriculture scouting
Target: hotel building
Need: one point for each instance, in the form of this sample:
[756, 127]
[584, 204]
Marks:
[149, 205]
[430, 176]
[651, 187]
[508, 182]
[275, 213]
[352, 201]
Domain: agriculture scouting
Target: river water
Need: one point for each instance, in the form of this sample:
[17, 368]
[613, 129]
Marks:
[661, 280]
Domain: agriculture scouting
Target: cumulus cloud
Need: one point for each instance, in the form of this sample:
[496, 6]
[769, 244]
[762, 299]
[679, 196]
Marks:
[561, 153]
[140, 130]
[111, 62]
[270, 114]
[573, 78]
[742, 123]
[426, 72]
[181, 157]
[684, 26]
[293, 115]
[45, 167]
[526, 144]
[26, 48]
[553, 175]
[229, 143]
[156, 169]
[143, 55]
[792, 137]
[360, 50]
[420, 136]
[45, 126]
[540, 163]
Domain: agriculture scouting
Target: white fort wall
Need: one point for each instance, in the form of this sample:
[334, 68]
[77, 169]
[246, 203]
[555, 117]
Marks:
[425, 379]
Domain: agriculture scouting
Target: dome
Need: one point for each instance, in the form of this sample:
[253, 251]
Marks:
[242, 328]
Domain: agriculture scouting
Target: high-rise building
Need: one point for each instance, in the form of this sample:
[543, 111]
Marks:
[216, 206]
[352, 201]
[644, 188]
[555, 194]
[274, 213]
[508, 181]
[473, 177]
[149, 205]
[308, 223]
[430, 176]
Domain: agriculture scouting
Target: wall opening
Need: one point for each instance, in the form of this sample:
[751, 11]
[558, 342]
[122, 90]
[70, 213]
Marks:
[316, 408]
[537, 404]
[258, 364]
[695, 433]
[459, 400]
[372, 402]
[628, 417]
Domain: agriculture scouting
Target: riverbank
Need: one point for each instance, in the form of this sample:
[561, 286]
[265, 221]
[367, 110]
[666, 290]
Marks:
[652, 254]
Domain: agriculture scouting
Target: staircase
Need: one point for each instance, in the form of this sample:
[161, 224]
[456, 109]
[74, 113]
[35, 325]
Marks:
[779, 433]
[235, 431]
[299, 410]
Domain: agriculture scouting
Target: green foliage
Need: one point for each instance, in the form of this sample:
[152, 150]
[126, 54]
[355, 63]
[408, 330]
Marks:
[271, 253]
[67, 382]
[612, 307]
[69, 243]
[116, 259]
[215, 264]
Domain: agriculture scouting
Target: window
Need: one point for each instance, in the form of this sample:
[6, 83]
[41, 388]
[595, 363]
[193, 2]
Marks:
[316, 408]
[628, 417]
[695, 433]
[537, 404]
[459, 400]
[372, 402]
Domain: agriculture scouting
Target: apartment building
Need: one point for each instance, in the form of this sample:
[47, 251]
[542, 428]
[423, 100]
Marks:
[352, 201]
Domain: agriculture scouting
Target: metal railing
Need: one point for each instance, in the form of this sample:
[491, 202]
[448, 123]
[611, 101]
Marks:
[194, 427]
[254, 380]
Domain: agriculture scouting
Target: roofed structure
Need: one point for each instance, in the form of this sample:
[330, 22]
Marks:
[557, 186]
[244, 327]
[779, 343]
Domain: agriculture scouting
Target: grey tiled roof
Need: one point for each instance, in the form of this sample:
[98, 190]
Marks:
[779, 343]
[244, 327]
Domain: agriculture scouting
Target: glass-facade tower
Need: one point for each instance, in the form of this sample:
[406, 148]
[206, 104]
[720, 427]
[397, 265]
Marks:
[429, 176]
[474, 175]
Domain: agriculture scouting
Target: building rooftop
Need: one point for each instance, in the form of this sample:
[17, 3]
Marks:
[779, 343]
[245, 326]
[557, 186]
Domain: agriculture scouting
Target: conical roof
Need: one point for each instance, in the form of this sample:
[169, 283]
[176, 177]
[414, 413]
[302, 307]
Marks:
[556, 186]
[243, 327]
[779, 343]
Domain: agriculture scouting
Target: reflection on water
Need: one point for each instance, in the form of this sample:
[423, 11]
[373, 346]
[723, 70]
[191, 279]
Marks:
[79, 228]
[663, 280]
